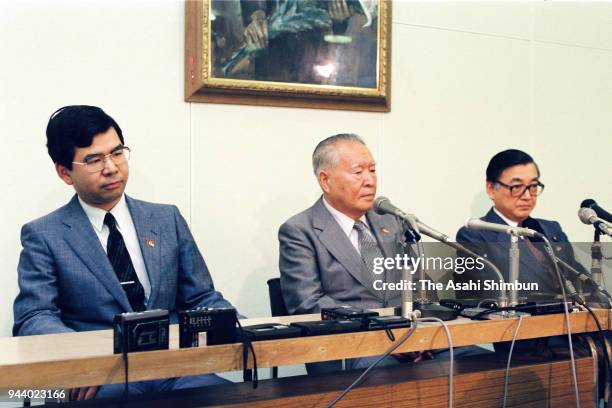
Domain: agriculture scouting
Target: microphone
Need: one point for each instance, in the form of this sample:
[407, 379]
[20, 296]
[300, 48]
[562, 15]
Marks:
[475, 223]
[601, 213]
[589, 216]
[382, 206]
[430, 232]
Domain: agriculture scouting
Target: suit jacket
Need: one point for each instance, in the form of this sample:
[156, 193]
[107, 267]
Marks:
[319, 267]
[67, 282]
[495, 246]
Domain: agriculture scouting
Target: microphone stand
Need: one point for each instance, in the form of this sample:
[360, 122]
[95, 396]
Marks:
[427, 307]
[596, 257]
[408, 237]
[513, 267]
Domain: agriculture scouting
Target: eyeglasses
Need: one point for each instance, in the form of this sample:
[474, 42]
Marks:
[517, 190]
[96, 162]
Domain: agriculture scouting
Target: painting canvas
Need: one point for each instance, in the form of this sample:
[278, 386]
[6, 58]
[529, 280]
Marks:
[315, 53]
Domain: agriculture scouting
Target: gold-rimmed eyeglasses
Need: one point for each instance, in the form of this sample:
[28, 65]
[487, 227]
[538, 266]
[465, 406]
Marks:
[95, 162]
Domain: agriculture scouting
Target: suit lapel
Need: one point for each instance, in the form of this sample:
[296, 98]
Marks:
[148, 233]
[338, 244]
[83, 240]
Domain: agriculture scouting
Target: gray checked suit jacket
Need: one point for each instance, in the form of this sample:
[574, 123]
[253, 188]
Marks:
[319, 267]
[67, 283]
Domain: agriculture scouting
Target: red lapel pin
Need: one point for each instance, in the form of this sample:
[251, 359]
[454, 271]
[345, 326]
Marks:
[384, 230]
[150, 243]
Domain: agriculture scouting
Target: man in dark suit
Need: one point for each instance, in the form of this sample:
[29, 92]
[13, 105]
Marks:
[513, 184]
[105, 253]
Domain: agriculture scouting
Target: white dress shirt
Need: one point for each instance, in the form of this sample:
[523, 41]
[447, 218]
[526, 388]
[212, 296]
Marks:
[346, 223]
[506, 220]
[125, 225]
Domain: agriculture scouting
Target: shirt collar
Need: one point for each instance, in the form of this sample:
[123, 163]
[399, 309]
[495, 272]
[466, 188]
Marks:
[346, 223]
[506, 220]
[96, 215]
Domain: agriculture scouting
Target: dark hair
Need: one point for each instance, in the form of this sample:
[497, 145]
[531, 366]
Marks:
[75, 126]
[508, 158]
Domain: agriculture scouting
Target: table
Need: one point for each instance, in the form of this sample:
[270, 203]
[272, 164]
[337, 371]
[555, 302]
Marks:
[69, 360]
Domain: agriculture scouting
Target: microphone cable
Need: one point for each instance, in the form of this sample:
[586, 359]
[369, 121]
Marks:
[452, 356]
[359, 379]
[581, 302]
[394, 347]
[507, 373]
[247, 345]
[123, 398]
[608, 372]
[586, 278]
[551, 254]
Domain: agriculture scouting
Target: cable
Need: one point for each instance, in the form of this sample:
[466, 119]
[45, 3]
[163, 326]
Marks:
[125, 393]
[247, 346]
[608, 372]
[452, 357]
[507, 374]
[586, 278]
[387, 353]
[551, 254]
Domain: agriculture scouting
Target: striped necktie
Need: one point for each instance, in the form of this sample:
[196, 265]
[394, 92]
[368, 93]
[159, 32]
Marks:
[122, 264]
[368, 247]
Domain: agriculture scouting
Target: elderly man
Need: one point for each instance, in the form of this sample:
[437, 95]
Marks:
[327, 252]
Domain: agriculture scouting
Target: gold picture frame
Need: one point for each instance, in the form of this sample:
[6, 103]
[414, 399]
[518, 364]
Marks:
[327, 54]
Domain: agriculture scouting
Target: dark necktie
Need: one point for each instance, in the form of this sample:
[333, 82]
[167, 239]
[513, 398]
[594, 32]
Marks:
[544, 262]
[368, 247]
[122, 264]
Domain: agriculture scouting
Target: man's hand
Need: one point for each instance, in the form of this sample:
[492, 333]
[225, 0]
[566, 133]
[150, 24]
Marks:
[83, 393]
[256, 33]
[338, 10]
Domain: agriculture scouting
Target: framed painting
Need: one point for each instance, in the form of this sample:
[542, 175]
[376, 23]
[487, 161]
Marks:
[330, 54]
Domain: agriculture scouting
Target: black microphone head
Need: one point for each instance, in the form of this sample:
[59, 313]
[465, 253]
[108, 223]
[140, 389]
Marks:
[379, 202]
[588, 203]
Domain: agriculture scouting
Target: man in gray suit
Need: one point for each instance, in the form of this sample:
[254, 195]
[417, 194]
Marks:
[327, 252]
[105, 253]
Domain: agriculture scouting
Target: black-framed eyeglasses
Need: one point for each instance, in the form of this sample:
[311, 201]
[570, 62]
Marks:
[96, 162]
[517, 190]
